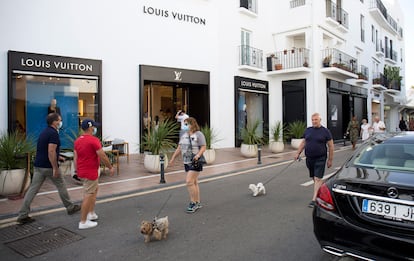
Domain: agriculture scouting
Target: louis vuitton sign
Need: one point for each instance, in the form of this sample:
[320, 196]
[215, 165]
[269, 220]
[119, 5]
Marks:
[53, 64]
[174, 15]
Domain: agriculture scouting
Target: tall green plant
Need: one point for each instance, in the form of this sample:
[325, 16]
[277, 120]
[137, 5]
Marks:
[250, 135]
[210, 135]
[161, 139]
[296, 129]
[277, 131]
[13, 149]
[392, 73]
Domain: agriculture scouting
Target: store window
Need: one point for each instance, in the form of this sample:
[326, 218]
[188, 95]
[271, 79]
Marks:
[252, 104]
[40, 89]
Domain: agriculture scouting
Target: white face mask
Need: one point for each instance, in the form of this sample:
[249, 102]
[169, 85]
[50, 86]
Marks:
[60, 125]
[95, 130]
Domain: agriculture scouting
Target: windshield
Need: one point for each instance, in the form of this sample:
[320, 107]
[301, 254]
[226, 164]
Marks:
[395, 156]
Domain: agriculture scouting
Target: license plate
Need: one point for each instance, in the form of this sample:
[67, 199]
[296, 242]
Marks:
[389, 210]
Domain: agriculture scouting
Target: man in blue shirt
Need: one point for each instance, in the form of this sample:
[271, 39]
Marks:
[314, 142]
[46, 166]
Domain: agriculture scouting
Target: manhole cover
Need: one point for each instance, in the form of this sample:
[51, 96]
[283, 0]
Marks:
[18, 231]
[43, 242]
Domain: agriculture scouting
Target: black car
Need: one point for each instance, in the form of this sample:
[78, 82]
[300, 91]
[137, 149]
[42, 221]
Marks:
[366, 210]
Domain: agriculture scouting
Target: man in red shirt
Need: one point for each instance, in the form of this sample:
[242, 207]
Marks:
[87, 155]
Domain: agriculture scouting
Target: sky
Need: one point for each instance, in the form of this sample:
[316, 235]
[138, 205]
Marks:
[408, 9]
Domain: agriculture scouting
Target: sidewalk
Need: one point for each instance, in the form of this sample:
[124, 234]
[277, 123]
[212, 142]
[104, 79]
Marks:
[134, 177]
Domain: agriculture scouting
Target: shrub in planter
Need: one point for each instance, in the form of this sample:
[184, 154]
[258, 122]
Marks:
[250, 139]
[14, 148]
[295, 131]
[159, 140]
[211, 138]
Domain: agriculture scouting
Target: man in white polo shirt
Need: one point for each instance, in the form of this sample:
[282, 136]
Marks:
[378, 126]
[181, 116]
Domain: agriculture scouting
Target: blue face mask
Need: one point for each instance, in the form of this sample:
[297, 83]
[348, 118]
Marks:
[95, 130]
[186, 128]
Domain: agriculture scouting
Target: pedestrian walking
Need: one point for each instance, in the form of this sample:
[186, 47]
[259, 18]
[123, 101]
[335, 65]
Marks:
[315, 141]
[353, 131]
[87, 155]
[402, 125]
[46, 166]
[378, 126]
[365, 130]
[181, 116]
[192, 145]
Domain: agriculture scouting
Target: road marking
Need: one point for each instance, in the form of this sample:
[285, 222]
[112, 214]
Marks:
[12, 221]
[324, 178]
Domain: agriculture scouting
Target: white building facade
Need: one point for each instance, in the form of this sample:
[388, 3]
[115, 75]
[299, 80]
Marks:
[130, 64]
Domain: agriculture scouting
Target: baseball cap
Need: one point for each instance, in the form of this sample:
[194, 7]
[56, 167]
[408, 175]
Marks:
[87, 123]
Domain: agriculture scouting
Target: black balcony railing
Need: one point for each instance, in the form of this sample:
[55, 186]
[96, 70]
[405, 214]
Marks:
[250, 56]
[334, 58]
[296, 3]
[390, 54]
[337, 13]
[378, 4]
[363, 73]
[379, 79]
[289, 59]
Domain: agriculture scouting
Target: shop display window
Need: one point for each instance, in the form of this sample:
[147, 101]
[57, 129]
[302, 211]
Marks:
[34, 96]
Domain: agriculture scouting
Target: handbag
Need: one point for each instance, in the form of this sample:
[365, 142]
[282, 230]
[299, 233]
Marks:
[201, 160]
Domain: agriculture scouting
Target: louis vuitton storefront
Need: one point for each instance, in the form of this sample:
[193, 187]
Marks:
[164, 91]
[40, 83]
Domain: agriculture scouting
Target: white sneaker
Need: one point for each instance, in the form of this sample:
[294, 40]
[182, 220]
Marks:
[92, 216]
[87, 224]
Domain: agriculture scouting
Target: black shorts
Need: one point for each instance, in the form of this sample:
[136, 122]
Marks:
[188, 167]
[316, 166]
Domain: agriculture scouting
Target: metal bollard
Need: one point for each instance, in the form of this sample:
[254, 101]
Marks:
[162, 180]
[259, 154]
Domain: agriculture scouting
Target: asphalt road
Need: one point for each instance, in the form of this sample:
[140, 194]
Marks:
[232, 225]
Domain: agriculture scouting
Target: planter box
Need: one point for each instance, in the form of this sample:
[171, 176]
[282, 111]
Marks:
[248, 151]
[152, 163]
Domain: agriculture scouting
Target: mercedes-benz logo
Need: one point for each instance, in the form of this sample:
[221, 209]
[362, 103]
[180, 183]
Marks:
[392, 192]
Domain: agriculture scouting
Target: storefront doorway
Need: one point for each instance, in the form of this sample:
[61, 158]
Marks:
[167, 90]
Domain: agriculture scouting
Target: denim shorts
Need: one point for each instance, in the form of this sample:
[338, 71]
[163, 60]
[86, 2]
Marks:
[316, 166]
[188, 167]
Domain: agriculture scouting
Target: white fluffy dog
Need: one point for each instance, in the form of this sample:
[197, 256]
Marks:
[258, 189]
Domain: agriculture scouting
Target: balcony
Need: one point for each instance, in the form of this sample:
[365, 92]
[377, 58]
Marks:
[379, 81]
[391, 56]
[339, 64]
[289, 61]
[362, 75]
[380, 14]
[336, 16]
[297, 3]
[250, 59]
[248, 7]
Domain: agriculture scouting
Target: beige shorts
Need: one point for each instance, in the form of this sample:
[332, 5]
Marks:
[90, 186]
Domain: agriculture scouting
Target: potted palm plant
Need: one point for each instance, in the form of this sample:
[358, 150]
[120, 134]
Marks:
[15, 149]
[295, 131]
[211, 138]
[159, 140]
[276, 144]
[250, 139]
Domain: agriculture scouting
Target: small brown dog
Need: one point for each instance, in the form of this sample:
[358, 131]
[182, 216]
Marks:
[157, 229]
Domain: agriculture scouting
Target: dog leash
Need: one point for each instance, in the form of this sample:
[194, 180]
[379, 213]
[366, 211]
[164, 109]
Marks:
[282, 171]
[162, 207]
